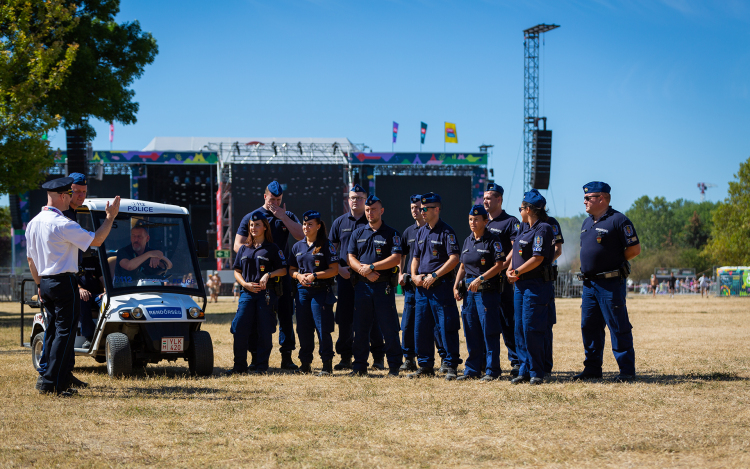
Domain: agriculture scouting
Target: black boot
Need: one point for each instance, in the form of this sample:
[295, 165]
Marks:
[410, 364]
[327, 368]
[287, 363]
[443, 366]
[305, 368]
[344, 364]
[378, 363]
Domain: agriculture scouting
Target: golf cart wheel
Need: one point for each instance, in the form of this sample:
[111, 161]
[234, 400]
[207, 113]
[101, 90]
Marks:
[119, 357]
[37, 345]
[100, 359]
[201, 354]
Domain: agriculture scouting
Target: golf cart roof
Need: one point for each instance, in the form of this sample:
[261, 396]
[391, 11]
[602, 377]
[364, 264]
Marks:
[140, 207]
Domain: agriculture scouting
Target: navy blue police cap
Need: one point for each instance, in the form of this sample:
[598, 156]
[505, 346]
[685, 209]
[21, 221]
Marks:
[478, 210]
[431, 197]
[275, 189]
[358, 188]
[78, 178]
[534, 198]
[58, 185]
[311, 215]
[258, 216]
[415, 199]
[372, 199]
[596, 186]
[495, 188]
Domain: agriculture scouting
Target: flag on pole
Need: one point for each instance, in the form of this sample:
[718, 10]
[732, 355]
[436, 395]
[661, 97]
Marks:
[111, 132]
[450, 133]
[395, 131]
[424, 131]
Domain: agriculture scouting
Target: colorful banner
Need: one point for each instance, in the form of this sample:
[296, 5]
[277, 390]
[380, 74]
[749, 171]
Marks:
[423, 132]
[450, 133]
[395, 131]
[479, 159]
[111, 132]
[148, 157]
[734, 281]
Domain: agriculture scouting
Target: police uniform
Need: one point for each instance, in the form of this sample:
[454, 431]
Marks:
[314, 304]
[341, 231]
[53, 242]
[481, 309]
[436, 306]
[603, 244]
[533, 293]
[552, 316]
[505, 227]
[375, 302]
[285, 308]
[255, 311]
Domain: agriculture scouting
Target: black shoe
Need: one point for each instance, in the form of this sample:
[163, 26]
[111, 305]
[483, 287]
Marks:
[355, 373]
[520, 379]
[378, 363]
[536, 381]
[86, 344]
[409, 365]
[621, 378]
[305, 368]
[451, 374]
[39, 386]
[465, 377]
[327, 368]
[421, 373]
[585, 375]
[257, 372]
[443, 366]
[234, 372]
[487, 378]
[514, 371]
[287, 363]
[344, 364]
[76, 383]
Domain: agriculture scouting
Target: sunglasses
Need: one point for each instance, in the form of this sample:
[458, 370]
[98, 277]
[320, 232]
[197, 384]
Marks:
[70, 193]
[424, 209]
[521, 209]
[589, 198]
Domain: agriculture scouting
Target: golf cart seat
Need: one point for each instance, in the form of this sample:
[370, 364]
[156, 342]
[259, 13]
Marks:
[111, 261]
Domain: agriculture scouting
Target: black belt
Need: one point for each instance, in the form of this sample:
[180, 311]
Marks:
[601, 275]
[444, 278]
[488, 285]
[64, 274]
[536, 273]
[317, 284]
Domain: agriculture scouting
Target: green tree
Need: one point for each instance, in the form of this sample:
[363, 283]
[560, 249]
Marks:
[35, 56]
[110, 58]
[5, 237]
[729, 243]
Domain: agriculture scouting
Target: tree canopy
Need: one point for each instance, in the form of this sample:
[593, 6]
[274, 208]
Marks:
[729, 243]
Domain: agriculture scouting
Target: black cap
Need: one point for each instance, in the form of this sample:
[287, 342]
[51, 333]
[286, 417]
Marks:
[416, 198]
[58, 185]
[371, 200]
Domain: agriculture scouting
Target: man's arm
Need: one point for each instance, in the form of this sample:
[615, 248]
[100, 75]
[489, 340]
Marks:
[558, 251]
[238, 242]
[294, 227]
[34, 273]
[103, 231]
[632, 251]
[132, 264]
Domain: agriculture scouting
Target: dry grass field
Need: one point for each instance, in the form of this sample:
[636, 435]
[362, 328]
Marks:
[689, 408]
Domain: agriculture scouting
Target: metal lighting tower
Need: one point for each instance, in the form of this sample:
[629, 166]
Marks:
[531, 95]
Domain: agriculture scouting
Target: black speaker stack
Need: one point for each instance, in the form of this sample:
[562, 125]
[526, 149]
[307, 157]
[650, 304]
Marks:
[541, 162]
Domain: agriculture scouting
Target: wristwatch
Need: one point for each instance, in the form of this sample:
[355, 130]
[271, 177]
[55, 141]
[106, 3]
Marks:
[315, 275]
[481, 277]
[372, 266]
[434, 275]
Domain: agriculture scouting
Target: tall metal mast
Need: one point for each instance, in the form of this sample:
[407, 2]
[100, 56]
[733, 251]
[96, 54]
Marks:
[531, 95]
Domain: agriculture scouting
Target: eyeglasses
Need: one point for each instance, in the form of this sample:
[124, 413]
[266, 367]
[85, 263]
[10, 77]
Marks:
[521, 209]
[354, 199]
[589, 198]
[424, 209]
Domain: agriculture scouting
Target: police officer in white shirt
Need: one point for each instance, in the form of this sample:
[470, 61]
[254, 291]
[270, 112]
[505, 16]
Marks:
[52, 245]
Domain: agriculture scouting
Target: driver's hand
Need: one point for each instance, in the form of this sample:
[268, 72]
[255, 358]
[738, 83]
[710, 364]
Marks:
[168, 262]
[84, 294]
[154, 262]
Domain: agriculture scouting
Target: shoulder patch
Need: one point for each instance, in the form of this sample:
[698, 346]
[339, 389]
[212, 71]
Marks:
[451, 239]
[498, 247]
[396, 240]
[537, 241]
[331, 247]
[281, 254]
[628, 230]
[555, 230]
[517, 226]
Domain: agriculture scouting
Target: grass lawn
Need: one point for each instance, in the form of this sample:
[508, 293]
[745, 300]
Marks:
[690, 406]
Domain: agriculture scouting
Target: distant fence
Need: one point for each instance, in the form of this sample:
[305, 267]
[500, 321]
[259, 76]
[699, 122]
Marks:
[10, 286]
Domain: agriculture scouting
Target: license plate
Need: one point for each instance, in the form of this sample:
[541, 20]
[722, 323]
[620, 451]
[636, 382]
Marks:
[172, 344]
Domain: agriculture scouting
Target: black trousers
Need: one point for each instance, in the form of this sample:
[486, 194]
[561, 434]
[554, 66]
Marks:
[60, 296]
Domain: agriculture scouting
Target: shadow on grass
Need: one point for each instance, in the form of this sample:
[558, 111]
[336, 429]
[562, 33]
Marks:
[655, 378]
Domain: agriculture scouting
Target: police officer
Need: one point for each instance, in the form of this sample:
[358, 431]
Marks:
[52, 245]
[404, 279]
[552, 316]
[314, 264]
[505, 227]
[531, 271]
[478, 284]
[282, 223]
[341, 231]
[258, 264]
[374, 256]
[608, 242]
[435, 255]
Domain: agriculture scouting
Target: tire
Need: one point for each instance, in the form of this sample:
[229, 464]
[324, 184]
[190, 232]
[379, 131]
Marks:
[119, 356]
[37, 345]
[201, 354]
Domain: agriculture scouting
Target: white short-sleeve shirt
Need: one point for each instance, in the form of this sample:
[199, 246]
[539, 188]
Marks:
[53, 241]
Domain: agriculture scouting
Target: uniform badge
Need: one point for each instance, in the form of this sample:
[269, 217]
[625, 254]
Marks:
[332, 247]
[434, 252]
[262, 268]
[517, 225]
[499, 248]
[451, 239]
[317, 262]
[397, 241]
[281, 254]
[377, 251]
[283, 227]
[554, 230]
[599, 239]
[537, 242]
[483, 261]
[628, 231]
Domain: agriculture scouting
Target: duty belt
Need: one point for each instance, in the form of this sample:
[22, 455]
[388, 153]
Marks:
[64, 274]
[536, 273]
[491, 285]
[600, 276]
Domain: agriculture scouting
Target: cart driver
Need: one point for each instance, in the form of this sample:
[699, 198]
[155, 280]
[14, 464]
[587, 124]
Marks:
[137, 261]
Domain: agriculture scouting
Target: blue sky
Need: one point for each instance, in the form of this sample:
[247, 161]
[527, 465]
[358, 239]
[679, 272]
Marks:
[649, 96]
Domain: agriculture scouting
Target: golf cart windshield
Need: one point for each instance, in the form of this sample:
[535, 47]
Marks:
[150, 253]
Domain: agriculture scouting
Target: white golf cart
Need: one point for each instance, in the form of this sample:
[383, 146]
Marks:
[147, 312]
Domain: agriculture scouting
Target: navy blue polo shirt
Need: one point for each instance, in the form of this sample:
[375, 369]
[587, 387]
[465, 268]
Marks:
[479, 255]
[408, 238]
[313, 258]
[505, 227]
[537, 240]
[556, 229]
[279, 231]
[434, 246]
[254, 262]
[342, 229]
[370, 246]
[603, 243]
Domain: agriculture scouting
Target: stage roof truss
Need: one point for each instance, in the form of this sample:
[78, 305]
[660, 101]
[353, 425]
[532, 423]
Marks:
[282, 153]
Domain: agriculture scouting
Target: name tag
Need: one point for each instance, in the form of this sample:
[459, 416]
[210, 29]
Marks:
[362, 240]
